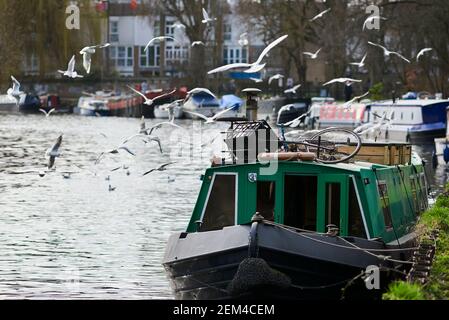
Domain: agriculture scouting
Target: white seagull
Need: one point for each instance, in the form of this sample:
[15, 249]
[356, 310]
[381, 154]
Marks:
[312, 55]
[256, 80]
[296, 122]
[347, 81]
[346, 105]
[70, 72]
[197, 43]
[199, 90]
[148, 101]
[293, 90]
[211, 119]
[206, 18]
[320, 15]
[114, 151]
[252, 67]
[87, 53]
[160, 39]
[275, 77]
[243, 41]
[47, 114]
[421, 53]
[53, 152]
[15, 92]
[160, 168]
[387, 52]
[371, 19]
[361, 63]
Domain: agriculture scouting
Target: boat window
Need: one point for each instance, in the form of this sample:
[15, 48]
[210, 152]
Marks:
[266, 199]
[356, 227]
[385, 204]
[300, 202]
[402, 115]
[333, 192]
[220, 206]
[414, 194]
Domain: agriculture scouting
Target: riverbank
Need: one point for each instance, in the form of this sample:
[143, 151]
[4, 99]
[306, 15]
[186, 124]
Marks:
[437, 288]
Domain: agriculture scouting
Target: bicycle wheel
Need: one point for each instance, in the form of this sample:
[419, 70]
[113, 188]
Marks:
[335, 145]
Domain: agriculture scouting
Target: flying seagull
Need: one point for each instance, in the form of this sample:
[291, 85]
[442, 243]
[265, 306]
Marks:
[199, 90]
[296, 122]
[148, 101]
[211, 119]
[206, 18]
[293, 90]
[160, 39]
[252, 67]
[421, 53]
[320, 15]
[347, 81]
[160, 168]
[256, 80]
[197, 43]
[312, 55]
[47, 114]
[53, 152]
[371, 19]
[387, 52]
[243, 41]
[114, 151]
[70, 72]
[275, 77]
[87, 53]
[361, 63]
[15, 92]
[349, 103]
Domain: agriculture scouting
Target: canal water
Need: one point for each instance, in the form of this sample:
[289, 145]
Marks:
[73, 238]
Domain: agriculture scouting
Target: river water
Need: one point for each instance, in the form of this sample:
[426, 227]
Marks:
[73, 238]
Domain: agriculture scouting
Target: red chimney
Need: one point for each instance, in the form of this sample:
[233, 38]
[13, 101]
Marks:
[133, 4]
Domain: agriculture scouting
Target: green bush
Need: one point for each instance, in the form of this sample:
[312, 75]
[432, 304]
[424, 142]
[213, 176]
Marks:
[404, 291]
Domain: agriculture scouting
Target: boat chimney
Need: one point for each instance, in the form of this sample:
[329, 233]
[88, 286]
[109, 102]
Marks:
[251, 103]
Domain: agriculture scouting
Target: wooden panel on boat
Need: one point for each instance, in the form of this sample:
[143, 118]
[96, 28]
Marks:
[385, 154]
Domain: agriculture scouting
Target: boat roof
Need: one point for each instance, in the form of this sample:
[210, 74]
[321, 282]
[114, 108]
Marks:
[409, 102]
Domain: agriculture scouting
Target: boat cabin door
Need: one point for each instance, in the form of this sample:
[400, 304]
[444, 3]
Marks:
[332, 204]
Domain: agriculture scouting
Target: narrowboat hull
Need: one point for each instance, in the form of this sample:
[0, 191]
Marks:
[407, 135]
[285, 264]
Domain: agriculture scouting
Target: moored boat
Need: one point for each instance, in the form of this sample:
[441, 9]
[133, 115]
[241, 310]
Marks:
[305, 225]
[108, 104]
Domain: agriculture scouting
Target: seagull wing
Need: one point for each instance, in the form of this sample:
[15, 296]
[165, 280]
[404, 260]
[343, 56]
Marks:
[138, 92]
[308, 53]
[164, 95]
[87, 61]
[156, 139]
[71, 65]
[148, 172]
[269, 47]
[51, 111]
[127, 150]
[255, 68]
[221, 113]
[421, 53]
[205, 15]
[332, 81]
[401, 56]
[51, 162]
[15, 85]
[149, 44]
[198, 115]
[57, 144]
[165, 165]
[43, 111]
[364, 58]
[229, 67]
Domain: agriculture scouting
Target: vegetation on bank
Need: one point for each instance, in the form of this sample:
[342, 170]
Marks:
[437, 288]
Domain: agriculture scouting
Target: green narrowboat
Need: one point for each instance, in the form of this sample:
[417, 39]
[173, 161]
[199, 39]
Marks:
[309, 229]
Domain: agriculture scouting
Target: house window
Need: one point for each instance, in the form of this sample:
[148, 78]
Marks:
[220, 207]
[235, 55]
[122, 57]
[176, 54]
[113, 36]
[227, 32]
[151, 58]
[169, 29]
[385, 204]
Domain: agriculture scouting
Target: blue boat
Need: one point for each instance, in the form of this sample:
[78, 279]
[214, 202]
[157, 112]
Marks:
[415, 121]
